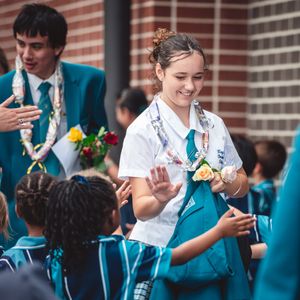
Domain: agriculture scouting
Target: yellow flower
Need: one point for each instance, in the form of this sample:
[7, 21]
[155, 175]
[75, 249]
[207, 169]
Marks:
[75, 135]
[204, 173]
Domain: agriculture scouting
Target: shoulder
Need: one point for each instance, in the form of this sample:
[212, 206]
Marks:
[141, 124]
[79, 69]
[6, 85]
[214, 118]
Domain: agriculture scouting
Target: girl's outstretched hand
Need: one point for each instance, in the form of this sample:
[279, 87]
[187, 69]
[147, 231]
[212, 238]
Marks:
[160, 185]
[123, 192]
[235, 226]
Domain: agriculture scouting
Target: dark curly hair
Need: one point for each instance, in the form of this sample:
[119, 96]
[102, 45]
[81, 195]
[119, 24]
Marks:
[77, 211]
[32, 194]
[167, 45]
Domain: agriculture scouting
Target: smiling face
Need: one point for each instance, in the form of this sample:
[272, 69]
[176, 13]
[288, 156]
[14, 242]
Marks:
[182, 80]
[37, 55]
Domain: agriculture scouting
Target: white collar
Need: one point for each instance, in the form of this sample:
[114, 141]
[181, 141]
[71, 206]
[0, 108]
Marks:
[35, 81]
[174, 121]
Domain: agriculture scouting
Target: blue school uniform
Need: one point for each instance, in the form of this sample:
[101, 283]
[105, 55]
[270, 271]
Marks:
[1, 250]
[267, 197]
[27, 250]
[279, 275]
[110, 270]
[260, 233]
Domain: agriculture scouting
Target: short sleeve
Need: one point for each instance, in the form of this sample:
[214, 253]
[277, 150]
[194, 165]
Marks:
[138, 151]
[231, 157]
[149, 262]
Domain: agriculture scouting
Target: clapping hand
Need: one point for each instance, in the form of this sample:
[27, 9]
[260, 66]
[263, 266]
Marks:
[17, 118]
[160, 185]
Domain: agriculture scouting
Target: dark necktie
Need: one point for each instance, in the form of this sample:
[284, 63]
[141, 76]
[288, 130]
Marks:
[191, 150]
[46, 106]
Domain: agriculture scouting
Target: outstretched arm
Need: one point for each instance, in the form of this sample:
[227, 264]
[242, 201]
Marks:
[227, 226]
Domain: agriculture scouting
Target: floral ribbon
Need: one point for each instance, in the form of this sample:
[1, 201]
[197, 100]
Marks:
[171, 153]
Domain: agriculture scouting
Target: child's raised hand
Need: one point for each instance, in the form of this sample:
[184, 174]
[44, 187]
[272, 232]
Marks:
[160, 185]
[235, 226]
[123, 192]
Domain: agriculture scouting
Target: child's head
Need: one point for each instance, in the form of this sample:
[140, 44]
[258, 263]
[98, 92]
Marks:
[271, 157]
[170, 48]
[3, 216]
[79, 210]
[32, 194]
[246, 151]
[130, 104]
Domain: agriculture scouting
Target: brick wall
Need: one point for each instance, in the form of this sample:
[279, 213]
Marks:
[85, 36]
[221, 27]
[274, 69]
[252, 47]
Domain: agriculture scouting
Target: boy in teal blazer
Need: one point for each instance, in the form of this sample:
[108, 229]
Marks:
[76, 93]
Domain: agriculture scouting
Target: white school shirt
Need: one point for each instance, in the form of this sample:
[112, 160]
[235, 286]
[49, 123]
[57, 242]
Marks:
[143, 150]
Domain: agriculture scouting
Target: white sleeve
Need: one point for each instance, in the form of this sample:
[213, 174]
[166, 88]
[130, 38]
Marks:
[138, 152]
[231, 157]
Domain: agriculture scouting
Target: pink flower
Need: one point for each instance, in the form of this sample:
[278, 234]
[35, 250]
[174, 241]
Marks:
[228, 174]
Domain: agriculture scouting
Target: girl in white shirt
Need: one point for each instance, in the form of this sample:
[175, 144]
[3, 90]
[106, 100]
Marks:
[179, 67]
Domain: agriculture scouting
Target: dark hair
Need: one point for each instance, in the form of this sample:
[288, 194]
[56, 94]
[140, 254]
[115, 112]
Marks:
[77, 211]
[246, 151]
[272, 156]
[167, 45]
[134, 99]
[44, 20]
[3, 62]
[32, 194]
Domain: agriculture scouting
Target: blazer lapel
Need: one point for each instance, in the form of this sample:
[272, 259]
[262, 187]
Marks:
[72, 99]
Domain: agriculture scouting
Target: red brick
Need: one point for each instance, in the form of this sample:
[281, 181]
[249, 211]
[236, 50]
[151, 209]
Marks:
[232, 91]
[232, 106]
[233, 75]
[234, 14]
[234, 29]
[233, 44]
[195, 27]
[233, 59]
[195, 12]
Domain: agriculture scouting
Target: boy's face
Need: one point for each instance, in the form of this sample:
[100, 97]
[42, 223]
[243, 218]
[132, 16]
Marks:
[37, 55]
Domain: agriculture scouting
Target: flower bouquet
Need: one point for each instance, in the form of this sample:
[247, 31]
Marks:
[93, 148]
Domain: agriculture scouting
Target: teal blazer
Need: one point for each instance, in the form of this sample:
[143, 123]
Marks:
[84, 91]
[279, 276]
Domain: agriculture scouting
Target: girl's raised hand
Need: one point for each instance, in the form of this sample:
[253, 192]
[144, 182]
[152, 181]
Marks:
[123, 192]
[160, 185]
[235, 226]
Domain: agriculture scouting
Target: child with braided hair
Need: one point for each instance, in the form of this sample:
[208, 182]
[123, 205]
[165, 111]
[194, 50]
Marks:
[3, 219]
[32, 193]
[87, 262]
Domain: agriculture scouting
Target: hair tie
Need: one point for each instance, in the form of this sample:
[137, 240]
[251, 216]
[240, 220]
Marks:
[80, 179]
